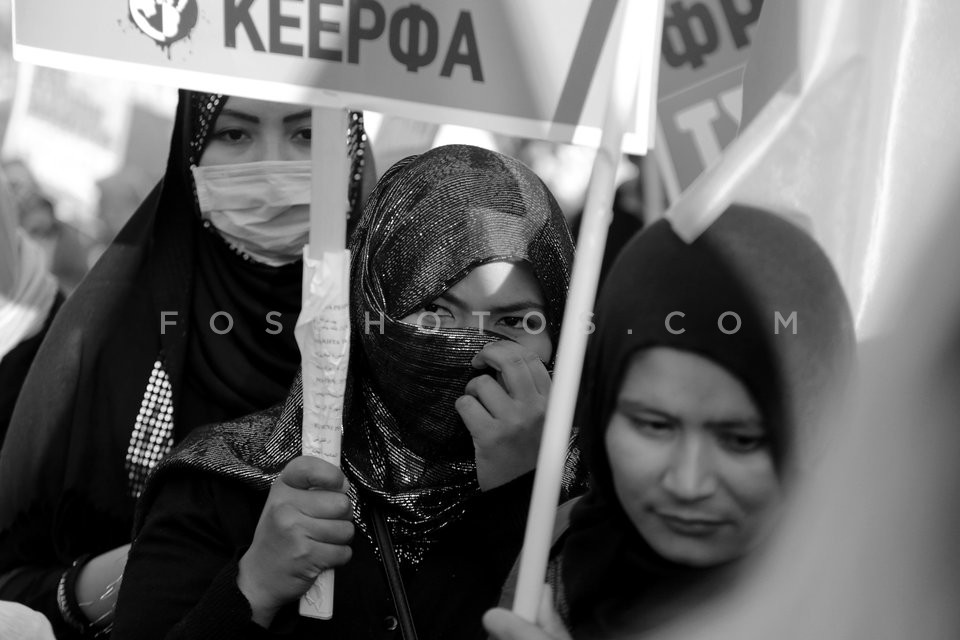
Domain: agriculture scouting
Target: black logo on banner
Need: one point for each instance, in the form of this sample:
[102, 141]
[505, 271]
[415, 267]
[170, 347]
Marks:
[164, 21]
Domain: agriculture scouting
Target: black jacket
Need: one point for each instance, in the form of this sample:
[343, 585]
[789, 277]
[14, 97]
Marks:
[180, 580]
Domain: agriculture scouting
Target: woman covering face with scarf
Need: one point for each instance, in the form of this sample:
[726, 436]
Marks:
[710, 370]
[441, 426]
[140, 354]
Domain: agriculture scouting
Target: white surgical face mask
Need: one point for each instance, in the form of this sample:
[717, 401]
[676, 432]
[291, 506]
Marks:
[263, 208]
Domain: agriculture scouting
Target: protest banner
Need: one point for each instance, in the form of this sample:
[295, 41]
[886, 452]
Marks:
[704, 52]
[524, 69]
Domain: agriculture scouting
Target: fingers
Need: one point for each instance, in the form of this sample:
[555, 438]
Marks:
[313, 487]
[522, 371]
[333, 532]
[541, 377]
[477, 419]
[324, 505]
[327, 556]
[310, 472]
[491, 395]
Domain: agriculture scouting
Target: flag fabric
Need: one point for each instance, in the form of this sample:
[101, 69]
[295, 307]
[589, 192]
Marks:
[850, 127]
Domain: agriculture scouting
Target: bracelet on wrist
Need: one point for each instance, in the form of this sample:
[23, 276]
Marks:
[70, 609]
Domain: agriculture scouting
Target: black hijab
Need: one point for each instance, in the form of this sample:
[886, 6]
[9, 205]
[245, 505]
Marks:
[430, 221]
[112, 387]
[749, 262]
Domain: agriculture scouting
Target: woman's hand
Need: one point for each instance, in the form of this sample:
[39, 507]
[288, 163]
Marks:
[305, 528]
[506, 625]
[505, 416]
[98, 584]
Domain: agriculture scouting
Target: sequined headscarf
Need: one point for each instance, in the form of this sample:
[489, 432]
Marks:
[431, 220]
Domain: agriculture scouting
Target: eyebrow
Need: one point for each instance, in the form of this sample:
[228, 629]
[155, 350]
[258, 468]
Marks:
[518, 305]
[737, 424]
[634, 406]
[240, 115]
[300, 115]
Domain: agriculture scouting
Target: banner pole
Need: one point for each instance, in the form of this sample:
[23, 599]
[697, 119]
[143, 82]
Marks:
[323, 329]
[636, 17]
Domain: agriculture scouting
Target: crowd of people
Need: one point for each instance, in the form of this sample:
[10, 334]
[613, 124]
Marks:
[151, 477]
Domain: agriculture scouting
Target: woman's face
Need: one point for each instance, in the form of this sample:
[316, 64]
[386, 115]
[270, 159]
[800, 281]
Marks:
[255, 130]
[501, 297]
[690, 458]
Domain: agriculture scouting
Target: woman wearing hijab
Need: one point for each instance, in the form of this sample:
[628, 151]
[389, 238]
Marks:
[712, 364]
[441, 428]
[186, 319]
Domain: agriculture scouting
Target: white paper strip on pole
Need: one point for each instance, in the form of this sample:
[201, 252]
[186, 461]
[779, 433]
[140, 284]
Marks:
[518, 68]
[323, 333]
[636, 64]
[323, 328]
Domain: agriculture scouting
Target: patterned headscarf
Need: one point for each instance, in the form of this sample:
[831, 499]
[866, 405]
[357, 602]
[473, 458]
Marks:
[430, 221]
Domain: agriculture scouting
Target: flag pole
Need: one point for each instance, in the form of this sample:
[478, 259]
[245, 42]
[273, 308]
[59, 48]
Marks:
[619, 112]
[323, 328]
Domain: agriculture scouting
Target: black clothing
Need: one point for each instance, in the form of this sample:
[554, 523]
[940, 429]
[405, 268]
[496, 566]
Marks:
[205, 523]
[15, 364]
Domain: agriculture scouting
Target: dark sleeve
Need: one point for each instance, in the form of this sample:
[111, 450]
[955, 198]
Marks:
[23, 578]
[180, 581]
[501, 513]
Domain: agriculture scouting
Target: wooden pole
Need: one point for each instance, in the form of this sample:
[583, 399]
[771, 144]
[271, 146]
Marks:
[635, 17]
[323, 329]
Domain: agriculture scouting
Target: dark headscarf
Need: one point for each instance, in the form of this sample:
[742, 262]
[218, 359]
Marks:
[749, 262]
[431, 219]
[111, 389]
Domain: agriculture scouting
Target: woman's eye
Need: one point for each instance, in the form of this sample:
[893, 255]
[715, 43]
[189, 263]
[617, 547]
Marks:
[743, 443]
[304, 135]
[659, 428]
[514, 322]
[434, 316]
[437, 309]
[231, 136]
